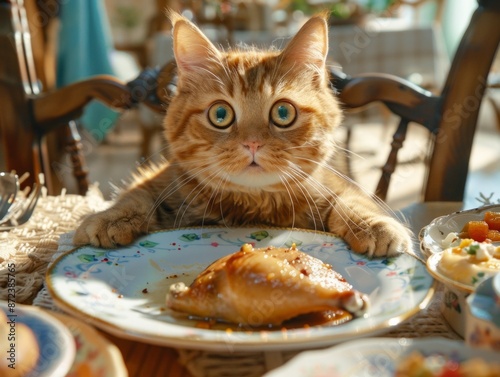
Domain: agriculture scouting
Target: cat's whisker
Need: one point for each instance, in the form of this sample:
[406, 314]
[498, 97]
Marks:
[227, 71]
[145, 161]
[197, 190]
[305, 192]
[202, 162]
[224, 180]
[211, 200]
[188, 176]
[308, 143]
[289, 192]
[360, 224]
[212, 76]
[174, 186]
[326, 193]
[284, 77]
[320, 144]
[348, 153]
[379, 201]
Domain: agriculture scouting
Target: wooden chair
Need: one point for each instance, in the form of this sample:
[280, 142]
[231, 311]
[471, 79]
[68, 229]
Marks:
[450, 117]
[30, 112]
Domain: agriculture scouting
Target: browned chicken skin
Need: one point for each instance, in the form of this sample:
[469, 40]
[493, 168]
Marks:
[266, 286]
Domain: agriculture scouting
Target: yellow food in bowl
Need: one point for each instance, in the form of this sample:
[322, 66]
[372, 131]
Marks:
[470, 262]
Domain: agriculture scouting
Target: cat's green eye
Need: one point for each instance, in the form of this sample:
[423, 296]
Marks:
[283, 114]
[221, 115]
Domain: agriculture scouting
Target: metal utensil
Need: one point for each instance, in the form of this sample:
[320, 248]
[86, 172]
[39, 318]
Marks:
[9, 186]
[23, 212]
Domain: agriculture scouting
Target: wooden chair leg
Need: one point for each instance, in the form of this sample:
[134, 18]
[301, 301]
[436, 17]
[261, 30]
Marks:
[147, 136]
[496, 109]
[390, 166]
[75, 150]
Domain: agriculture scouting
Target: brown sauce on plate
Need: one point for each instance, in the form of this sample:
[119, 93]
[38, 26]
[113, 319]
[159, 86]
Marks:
[324, 318]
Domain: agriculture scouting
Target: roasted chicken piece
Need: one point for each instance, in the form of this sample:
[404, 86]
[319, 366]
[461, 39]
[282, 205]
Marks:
[265, 286]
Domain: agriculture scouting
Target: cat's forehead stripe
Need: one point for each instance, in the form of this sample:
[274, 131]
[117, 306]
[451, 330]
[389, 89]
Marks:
[250, 72]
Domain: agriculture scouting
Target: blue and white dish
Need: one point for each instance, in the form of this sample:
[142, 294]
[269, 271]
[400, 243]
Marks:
[374, 357]
[55, 342]
[482, 321]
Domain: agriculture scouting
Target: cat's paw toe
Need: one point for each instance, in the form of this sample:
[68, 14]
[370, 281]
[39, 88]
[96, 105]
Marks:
[384, 237]
[81, 237]
[93, 231]
[122, 233]
[106, 230]
[391, 238]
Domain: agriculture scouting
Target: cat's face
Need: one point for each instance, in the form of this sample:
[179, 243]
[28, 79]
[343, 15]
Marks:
[251, 119]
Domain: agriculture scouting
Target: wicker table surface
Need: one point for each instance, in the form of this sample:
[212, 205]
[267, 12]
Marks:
[48, 234]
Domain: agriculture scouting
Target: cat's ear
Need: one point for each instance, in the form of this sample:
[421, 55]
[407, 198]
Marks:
[192, 49]
[310, 45]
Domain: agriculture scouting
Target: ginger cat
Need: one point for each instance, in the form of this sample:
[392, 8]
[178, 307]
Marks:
[250, 134]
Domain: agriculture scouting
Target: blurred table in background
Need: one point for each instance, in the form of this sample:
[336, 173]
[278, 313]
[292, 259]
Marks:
[391, 46]
[379, 45]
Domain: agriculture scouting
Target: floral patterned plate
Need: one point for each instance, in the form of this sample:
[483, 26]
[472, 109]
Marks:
[123, 290]
[374, 357]
[95, 355]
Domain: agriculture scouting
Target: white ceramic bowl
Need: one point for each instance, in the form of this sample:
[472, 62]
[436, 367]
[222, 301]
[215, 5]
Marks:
[432, 236]
[453, 305]
[482, 328]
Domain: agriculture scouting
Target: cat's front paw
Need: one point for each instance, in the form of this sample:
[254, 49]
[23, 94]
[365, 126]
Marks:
[378, 237]
[109, 229]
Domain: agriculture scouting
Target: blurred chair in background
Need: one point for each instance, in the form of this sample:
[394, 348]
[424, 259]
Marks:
[450, 117]
[33, 111]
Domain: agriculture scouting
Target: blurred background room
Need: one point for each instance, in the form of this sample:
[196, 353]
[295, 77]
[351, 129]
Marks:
[413, 39]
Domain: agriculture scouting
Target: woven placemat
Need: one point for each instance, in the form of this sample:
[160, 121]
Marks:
[26, 251]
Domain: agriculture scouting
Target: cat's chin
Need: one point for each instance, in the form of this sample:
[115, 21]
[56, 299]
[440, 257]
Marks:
[252, 178]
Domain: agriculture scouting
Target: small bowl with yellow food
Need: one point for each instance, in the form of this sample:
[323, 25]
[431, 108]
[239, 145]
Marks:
[461, 268]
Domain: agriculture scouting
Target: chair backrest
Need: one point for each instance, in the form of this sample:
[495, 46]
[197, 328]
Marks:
[450, 117]
[18, 82]
[30, 112]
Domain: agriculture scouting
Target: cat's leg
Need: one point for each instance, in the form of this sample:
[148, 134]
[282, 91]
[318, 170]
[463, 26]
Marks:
[138, 210]
[121, 224]
[367, 228]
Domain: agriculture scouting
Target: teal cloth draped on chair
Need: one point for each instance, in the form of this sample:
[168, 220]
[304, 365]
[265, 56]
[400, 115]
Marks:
[84, 50]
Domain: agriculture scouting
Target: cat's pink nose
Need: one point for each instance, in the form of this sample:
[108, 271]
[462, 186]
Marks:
[252, 146]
